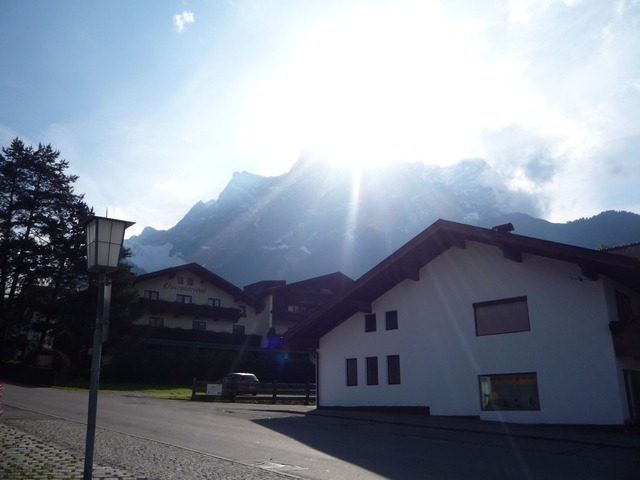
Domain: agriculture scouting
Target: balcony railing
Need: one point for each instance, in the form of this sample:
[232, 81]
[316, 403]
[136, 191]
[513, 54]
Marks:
[626, 338]
[191, 309]
[194, 336]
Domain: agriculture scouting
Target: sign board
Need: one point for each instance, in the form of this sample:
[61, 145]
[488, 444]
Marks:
[214, 389]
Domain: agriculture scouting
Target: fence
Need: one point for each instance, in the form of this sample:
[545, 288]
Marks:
[273, 393]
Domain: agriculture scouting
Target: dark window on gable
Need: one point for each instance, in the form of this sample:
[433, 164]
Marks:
[391, 320]
[509, 315]
[189, 281]
[623, 304]
[370, 322]
[180, 280]
[352, 372]
[393, 369]
[372, 370]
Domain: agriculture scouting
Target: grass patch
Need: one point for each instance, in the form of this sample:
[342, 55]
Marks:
[168, 391]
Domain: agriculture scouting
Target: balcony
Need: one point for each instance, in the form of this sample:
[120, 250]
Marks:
[181, 337]
[626, 338]
[191, 310]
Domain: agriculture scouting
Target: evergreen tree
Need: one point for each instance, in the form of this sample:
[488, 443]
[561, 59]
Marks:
[42, 240]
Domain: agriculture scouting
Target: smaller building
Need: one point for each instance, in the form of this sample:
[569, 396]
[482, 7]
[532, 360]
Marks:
[189, 305]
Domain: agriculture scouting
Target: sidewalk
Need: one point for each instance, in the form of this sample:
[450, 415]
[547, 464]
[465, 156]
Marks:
[26, 457]
[588, 435]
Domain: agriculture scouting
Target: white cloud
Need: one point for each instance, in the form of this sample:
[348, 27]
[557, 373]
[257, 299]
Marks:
[182, 19]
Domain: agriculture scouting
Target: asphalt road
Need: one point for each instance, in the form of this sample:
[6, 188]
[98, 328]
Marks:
[311, 446]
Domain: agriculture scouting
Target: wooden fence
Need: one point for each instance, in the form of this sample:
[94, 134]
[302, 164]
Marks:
[274, 392]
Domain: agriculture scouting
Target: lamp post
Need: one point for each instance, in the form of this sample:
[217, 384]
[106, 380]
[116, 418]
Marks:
[104, 246]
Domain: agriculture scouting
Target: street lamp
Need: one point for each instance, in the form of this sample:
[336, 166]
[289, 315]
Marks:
[104, 246]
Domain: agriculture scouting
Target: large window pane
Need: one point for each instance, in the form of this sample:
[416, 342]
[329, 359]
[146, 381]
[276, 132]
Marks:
[502, 316]
[512, 391]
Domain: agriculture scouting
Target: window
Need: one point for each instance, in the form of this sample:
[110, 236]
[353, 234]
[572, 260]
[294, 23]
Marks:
[156, 321]
[183, 298]
[243, 310]
[238, 329]
[297, 308]
[502, 316]
[189, 281]
[352, 372]
[180, 280]
[372, 370]
[512, 391]
[393, 369]
[199, 325]
[623, 304]
[213, 302]
[151, 294]
[370, 322]
[391, 320]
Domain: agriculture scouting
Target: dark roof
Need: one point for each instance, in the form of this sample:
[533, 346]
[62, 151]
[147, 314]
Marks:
[205, 276]
[406, 262]
[338, 280]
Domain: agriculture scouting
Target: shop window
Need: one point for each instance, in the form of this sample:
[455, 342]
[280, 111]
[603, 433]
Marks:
[197, 325]
[372, 370]
[213, 302]
[512, 391]
[391, 320]
[509, 315]
[370, 322]
[352, 372]
[156, 321]
[393, 369]
[183, 298]
[151, 294]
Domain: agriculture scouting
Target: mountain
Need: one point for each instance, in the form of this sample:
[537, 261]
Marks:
[321, 218]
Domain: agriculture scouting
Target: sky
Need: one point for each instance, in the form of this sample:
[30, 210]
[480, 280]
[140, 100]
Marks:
[155, 104]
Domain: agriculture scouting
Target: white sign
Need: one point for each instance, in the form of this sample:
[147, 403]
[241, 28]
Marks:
[214, 389]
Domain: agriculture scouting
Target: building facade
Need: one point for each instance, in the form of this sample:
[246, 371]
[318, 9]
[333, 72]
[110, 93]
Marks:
[469, 321]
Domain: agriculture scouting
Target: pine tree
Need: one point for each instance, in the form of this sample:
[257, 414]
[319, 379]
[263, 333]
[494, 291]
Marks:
[41, 236]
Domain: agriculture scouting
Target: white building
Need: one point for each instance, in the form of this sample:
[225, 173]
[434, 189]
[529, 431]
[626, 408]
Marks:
[482, 322]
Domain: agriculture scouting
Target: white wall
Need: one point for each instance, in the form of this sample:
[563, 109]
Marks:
[569, 345]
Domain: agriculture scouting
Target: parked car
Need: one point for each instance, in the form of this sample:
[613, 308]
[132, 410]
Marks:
[239, 383]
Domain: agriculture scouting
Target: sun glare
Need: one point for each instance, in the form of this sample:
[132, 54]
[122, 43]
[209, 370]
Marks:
[376, 85]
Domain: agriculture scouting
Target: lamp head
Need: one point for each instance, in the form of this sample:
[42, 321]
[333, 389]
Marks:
[104, 243]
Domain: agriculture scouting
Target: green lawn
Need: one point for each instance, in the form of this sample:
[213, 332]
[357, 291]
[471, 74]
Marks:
[168, 391]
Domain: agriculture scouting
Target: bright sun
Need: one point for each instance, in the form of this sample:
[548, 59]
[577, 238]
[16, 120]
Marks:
[376, 85]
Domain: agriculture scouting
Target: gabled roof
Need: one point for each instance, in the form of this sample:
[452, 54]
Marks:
[406, 262]
[205, 276]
